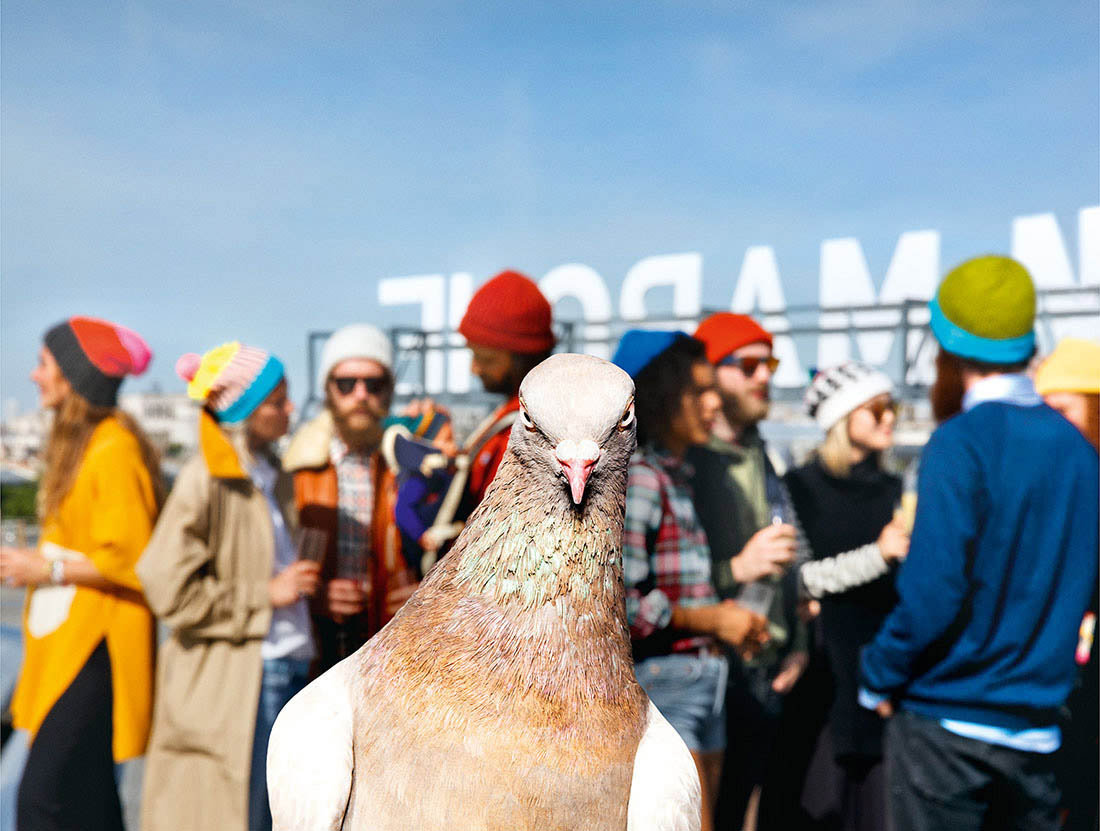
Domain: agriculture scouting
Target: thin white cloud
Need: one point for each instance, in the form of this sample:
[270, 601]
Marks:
[861, 33]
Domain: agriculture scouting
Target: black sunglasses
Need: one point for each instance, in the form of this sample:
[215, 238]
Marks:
[374, 384]
[749, 365]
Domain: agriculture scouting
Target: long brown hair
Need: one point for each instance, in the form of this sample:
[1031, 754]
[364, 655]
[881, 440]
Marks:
[73, 424]
[948, 389]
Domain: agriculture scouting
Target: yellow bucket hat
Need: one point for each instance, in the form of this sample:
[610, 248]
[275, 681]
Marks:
[1074, 366]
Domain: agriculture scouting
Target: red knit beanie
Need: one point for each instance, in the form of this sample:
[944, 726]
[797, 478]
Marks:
[509, 312]
[725, 332]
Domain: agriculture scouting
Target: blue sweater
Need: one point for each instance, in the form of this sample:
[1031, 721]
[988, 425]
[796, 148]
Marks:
[1001, 568]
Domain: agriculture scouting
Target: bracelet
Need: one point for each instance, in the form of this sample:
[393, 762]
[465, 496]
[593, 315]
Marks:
[57, 572]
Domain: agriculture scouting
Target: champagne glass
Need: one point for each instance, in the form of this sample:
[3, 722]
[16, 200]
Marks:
[906, 510]
[312, 543]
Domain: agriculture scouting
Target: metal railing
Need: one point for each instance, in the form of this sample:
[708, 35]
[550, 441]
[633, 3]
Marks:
[909, 361]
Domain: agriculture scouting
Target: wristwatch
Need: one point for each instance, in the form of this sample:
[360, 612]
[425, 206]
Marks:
[57, 572]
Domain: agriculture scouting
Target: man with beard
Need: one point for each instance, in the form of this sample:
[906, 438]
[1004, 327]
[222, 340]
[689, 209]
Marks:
[754, 541]
[344, 488]
[978, 655]
[507, 328]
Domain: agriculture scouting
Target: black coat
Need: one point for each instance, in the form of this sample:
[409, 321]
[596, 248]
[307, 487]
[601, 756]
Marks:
[838, 515]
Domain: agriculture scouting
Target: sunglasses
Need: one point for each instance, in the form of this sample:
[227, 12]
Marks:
[749, 365]
[374, 384]
[878, 409]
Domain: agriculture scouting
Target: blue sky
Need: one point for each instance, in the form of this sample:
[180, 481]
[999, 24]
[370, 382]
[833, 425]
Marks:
[205, 171]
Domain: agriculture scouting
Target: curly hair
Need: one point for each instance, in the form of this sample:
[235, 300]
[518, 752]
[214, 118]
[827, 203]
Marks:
[659, 388]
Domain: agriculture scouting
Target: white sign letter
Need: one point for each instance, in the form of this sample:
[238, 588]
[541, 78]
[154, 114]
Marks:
[683, 272]
[846, 281]
[460, 291]
[586, 285]
[427, 292]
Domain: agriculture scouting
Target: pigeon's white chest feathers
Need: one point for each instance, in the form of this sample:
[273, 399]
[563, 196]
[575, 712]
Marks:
[312, 759]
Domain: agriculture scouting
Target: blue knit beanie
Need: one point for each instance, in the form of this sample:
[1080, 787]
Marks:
[638, 348]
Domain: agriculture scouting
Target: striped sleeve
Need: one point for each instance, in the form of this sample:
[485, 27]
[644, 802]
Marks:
[647, 607]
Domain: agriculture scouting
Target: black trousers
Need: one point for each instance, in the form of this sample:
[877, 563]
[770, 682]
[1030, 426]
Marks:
[69, 778]
[939, 780]
[770, 739]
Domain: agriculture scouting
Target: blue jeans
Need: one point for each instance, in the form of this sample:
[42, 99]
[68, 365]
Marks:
[690, 691]
[283, 678]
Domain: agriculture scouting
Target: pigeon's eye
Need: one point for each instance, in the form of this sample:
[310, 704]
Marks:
[526, 419]
[627, 419]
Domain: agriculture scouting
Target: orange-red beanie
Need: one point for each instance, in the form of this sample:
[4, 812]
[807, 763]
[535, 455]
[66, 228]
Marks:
[509, 312]
[725, 332]
[95, 355]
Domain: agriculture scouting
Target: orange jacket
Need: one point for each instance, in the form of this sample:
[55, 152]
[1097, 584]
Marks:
[316, 496]
[484, 467]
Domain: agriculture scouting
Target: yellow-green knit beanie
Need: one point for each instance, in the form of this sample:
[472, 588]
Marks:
[985, 310]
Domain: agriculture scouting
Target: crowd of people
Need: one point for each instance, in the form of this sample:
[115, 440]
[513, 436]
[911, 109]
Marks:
[838, 647]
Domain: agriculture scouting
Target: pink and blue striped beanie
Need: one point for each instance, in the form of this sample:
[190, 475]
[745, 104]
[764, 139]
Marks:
[231, 380]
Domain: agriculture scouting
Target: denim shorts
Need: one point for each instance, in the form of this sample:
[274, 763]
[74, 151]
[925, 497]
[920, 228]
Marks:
[690, 691]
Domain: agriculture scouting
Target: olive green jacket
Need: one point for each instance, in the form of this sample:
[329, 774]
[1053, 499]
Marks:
[731, 499]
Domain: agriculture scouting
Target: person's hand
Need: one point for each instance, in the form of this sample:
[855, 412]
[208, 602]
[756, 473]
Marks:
[767, 554]
[445, 440]
[344, 598]
[740, 627]
[808, 609]
[885, 708]
[790, 671]
[418, 407]
[396, 597]
[893, 542]
[23, 567]
[299, 579]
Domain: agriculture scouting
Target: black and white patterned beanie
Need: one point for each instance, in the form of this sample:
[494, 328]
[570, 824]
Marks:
[835, 392]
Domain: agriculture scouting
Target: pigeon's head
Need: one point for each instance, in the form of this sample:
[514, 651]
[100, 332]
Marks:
[576, 422]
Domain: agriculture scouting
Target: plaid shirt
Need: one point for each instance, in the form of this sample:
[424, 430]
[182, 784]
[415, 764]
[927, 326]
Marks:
[355, 501]
[666, 561]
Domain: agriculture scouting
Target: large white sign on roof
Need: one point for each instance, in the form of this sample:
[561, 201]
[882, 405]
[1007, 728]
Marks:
[844, 281]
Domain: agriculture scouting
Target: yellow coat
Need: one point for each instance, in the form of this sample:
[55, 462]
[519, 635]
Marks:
[108, 517]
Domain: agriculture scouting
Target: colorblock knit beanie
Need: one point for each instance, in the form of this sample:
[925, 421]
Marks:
[509, 312]
[837, 391]
[356, 340]
[1073, 366]
[638, 348]
[95, 355]
[723, 333]
[231, 380]
[984, 310]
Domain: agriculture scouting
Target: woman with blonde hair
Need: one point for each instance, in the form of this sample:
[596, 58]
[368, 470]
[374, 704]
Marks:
[85, 686]
[845, 501]
[222, 572]
[1069, 381]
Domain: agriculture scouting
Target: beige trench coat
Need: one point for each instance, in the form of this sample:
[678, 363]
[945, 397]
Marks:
[205, 573]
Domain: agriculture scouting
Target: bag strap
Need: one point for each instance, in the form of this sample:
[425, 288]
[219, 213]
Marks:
[444, 523]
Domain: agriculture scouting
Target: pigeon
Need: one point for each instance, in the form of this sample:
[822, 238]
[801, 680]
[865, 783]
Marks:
[502, 695]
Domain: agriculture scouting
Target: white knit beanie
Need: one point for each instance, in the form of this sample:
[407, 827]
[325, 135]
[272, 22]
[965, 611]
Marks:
[837, 391]
[357, 340]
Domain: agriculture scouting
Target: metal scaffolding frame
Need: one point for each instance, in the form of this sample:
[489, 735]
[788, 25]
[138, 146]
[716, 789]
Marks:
[909, 363]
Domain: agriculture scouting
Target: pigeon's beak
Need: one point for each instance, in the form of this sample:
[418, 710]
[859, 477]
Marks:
[577, 459]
